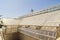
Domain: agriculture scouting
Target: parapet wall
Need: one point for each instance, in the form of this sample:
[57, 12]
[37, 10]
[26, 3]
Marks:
[47, 19]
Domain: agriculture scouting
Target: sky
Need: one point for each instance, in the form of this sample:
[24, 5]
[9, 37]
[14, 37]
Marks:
[17, 8]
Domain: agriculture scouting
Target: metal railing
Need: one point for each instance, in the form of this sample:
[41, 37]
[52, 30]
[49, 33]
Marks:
[38, 34]
[51, 9]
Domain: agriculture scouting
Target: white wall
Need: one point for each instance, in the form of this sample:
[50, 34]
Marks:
[10, 21]
[47, 19]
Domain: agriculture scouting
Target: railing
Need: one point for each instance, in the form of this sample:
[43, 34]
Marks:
[51, 9]
[39, 34]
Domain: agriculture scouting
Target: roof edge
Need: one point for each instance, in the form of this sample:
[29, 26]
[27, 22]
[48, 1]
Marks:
[51, 9]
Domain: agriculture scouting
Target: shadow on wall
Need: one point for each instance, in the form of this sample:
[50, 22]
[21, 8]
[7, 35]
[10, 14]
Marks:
[15, 36]
[12, 36]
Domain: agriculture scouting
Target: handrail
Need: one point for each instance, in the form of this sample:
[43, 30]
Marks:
[54, 8]
[37, 33]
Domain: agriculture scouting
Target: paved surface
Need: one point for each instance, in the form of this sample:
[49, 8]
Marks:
[58, 38]
[0, 38]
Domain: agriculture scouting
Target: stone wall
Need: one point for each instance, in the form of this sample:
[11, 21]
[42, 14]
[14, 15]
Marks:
[58, 32]
[11, 36]
[11, 32]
